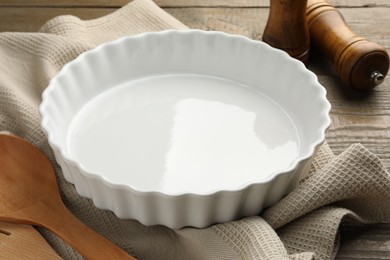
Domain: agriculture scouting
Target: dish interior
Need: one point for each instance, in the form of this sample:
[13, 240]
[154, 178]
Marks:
[178, 133]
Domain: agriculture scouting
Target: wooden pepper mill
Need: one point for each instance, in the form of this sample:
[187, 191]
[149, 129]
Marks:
[287, 29]
[360, 63]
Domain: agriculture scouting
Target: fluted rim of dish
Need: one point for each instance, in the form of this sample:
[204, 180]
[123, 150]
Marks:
[310, 78]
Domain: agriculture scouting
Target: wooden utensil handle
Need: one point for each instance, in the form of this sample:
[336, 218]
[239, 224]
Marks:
[83, 239]
[286, 28]
[361, 64]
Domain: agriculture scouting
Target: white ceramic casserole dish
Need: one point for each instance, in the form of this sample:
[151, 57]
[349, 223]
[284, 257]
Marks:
[184, 128]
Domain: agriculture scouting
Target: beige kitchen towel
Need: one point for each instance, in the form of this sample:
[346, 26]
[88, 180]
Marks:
[352, 186]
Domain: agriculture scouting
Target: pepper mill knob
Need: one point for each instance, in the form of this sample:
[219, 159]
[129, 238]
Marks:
[361, 64]
[286, 28]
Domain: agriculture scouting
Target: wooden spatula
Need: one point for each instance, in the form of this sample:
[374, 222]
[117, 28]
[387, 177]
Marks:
[19, 241]
[29, 194]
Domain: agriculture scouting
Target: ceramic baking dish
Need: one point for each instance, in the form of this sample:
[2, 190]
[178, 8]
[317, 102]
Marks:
[184, 128]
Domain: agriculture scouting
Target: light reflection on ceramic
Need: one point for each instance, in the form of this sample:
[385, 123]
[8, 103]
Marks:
[187, 133]
[184, 128]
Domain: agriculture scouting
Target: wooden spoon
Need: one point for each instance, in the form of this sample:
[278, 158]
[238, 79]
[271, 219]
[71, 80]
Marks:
[29, 195]
[19, 241]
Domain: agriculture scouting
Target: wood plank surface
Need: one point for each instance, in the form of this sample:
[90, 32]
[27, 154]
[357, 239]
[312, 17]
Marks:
[364, 242]
[178, 3]
[356, 116]
[30, 19]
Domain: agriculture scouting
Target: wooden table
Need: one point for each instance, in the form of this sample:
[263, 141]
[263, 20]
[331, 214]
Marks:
[356, 117]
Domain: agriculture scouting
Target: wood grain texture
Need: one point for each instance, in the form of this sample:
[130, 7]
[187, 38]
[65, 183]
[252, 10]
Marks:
[31, 244]
[30, 19]
[63, 3]
[261, 3]
[354, 57]
[356, 116]
[178, 3]
[362, 242]
[24, 168]
[294, 38]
